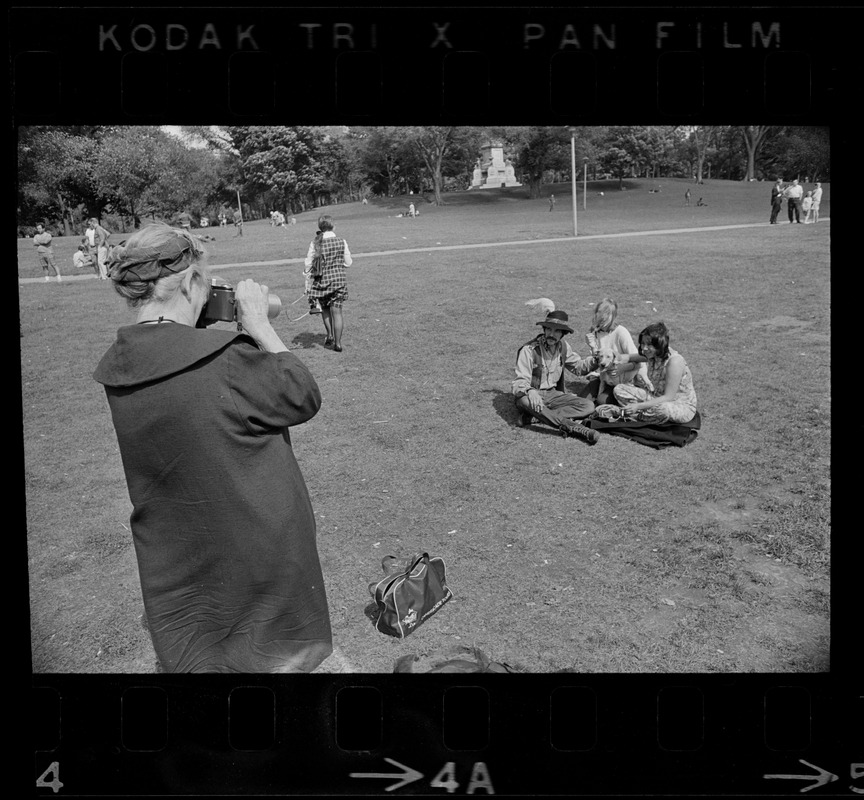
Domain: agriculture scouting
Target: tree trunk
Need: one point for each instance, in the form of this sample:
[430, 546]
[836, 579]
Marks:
[753, 136]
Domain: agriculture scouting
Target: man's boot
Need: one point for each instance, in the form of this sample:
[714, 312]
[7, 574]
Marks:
[572, 428]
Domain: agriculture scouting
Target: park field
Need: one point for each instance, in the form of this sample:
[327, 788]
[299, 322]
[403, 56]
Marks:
[613, 558]
[480, 216]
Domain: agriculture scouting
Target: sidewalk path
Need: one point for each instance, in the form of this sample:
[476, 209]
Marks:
[517, 243]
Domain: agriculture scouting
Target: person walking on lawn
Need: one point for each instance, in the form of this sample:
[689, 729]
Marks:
[329, 286]
[539, 386]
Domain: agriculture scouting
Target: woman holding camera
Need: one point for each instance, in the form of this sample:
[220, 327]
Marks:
[222, 522]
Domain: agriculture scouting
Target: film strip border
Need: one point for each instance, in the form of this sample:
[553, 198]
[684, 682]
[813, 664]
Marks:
[355, 66]
[459, 734]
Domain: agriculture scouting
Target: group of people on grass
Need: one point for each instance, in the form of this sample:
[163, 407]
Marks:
[650, 383]
[797, 201]
[222, 521]
[92, 252]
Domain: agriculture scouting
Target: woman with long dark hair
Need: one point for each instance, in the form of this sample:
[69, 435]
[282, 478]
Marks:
[673, 398]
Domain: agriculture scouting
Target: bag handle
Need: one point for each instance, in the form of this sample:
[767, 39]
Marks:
[412, 562]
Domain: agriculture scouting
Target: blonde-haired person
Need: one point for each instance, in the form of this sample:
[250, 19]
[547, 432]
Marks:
[816, 201]
[607, 334]
[330, 287]
[222, 522]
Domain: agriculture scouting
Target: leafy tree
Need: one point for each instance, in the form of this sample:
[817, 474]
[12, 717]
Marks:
[617, 161]
[385, 158]
[703, 139]
[753, 137]
[435, 143]
[284, 161]
[537, 150]
[799, 151]
[55, 175]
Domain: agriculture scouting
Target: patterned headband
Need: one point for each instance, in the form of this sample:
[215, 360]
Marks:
[151, 263]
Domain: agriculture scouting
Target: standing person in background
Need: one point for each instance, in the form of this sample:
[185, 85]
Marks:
[807, 206]
[776, 200]
[238, 223]
[330, 287]
[100, 238]
[551, 202]
[793, 195]
[817, 201]
[45, 251]
[185, 220]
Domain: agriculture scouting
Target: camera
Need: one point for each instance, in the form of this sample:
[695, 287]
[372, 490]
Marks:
[221, 307]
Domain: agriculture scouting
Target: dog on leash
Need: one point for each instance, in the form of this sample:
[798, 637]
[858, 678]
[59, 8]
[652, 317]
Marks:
[609, 376]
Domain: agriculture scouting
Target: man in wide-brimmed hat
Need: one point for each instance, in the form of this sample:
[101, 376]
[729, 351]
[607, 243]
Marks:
[539, 384]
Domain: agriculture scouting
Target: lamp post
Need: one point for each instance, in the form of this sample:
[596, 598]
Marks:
[573, 176]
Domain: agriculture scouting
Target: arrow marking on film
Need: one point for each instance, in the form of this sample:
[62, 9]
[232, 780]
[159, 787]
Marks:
[407, 775]
[820, 780]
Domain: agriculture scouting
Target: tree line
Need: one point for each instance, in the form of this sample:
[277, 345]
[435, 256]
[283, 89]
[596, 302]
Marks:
[128, 175]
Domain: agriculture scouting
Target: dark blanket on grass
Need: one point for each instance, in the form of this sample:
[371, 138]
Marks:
[651, 434]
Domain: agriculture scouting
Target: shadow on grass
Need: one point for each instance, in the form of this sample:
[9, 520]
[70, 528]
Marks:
[503, 404]
[308, 340]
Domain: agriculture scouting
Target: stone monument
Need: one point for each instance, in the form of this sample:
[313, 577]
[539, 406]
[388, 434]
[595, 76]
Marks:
[491, 171]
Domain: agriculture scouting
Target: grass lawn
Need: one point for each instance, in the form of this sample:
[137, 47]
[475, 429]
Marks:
[561, 556]
[480, 216]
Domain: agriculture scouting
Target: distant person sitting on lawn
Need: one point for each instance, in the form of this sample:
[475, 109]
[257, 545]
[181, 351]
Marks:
[539, 386]
[701, 202]
[673, 398]
[81, 258]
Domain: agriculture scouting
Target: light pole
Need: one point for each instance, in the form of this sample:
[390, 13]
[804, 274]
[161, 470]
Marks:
[585, 183]
[573, 176]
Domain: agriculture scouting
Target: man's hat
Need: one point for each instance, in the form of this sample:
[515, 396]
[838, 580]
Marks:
[556, 320]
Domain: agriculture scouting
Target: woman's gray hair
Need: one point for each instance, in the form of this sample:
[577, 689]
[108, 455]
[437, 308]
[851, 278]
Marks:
[151, 264]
